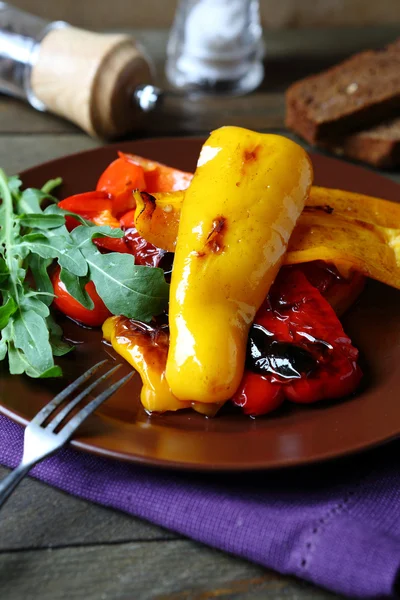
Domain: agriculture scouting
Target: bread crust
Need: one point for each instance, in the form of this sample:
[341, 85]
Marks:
[343, 108]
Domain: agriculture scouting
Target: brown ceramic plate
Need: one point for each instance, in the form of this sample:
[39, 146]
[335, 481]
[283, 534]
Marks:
[292, 436]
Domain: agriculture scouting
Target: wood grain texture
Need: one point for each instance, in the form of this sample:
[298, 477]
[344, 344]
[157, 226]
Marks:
[38, 516]
[290, 55]
[17, 117]
[176, 116]
[99, 13]
[170, 570]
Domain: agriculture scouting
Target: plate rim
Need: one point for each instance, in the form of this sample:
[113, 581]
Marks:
[289, 464]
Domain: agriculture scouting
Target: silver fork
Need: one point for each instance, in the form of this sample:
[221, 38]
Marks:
[41, 440]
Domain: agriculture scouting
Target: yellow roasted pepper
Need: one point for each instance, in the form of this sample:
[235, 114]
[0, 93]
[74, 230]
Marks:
[353, 231]
[157, 217]
[237, 216]
[145, 348]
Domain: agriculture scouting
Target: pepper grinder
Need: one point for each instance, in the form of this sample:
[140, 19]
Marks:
[100, 82]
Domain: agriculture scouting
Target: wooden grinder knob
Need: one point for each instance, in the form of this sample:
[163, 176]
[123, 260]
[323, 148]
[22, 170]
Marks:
[89, 79]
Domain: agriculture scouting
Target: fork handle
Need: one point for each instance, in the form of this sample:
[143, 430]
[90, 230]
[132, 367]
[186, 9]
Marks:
[10, 481]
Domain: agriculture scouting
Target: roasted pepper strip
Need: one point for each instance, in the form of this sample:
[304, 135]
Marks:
[341, 292]
[353, 231]
[236, 220]
[157, 217]
[120, 178]
[356, 206]
[145, 347]
[95, 206]
[159, 177]
[256, 395]
[130, 172]
[64, 302]
[297, 350]
[351, 245]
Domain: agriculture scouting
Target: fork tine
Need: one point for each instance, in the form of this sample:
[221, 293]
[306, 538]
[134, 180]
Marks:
[70, 427]
[71, 405]
[51, 406]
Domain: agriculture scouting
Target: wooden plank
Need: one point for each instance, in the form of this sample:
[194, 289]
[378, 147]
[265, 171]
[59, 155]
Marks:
[97, 13]
[290, 55]
[38, 516]
[172, 570]
[175, 116]
[17, 117]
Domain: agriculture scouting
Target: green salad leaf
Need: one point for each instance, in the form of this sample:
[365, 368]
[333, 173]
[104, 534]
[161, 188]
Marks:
[33, 237]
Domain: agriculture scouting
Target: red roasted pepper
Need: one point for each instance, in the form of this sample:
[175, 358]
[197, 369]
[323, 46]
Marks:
[298, 318]
[119, 179]
[97, 206]
[93, 206]
[159, 177]
[133, 243]
[257, 395]
[71, 307]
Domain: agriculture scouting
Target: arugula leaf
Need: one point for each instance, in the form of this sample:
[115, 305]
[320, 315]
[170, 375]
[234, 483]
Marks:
[17, 362]
[59, 347]
[4, 273]
[53, 209]
[50, 185]
[33, 303]
[31, 200]
[48, 244]
[76, 287]
[43, 284]
[83, 236]
[6, 311]
[41, 220]
[54, 371]
[127, 289]
[14, 184]
[3, 349]
[32, 337]
[39, 244]
[135, 291]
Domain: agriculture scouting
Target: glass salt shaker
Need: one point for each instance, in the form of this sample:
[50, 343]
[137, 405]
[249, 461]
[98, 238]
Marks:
[215, 46]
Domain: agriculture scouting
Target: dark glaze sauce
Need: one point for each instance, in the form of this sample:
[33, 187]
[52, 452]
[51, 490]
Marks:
[281, 359]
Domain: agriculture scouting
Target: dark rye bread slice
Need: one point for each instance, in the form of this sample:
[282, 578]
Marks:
[358, 93]
[378, 146]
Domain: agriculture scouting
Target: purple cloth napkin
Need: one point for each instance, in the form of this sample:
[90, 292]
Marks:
[335, 525]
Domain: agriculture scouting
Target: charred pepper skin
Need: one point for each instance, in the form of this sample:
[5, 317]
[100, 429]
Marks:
[237, 217]
[145, 348]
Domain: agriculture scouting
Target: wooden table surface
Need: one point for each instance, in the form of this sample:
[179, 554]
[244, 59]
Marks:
[54, 546]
